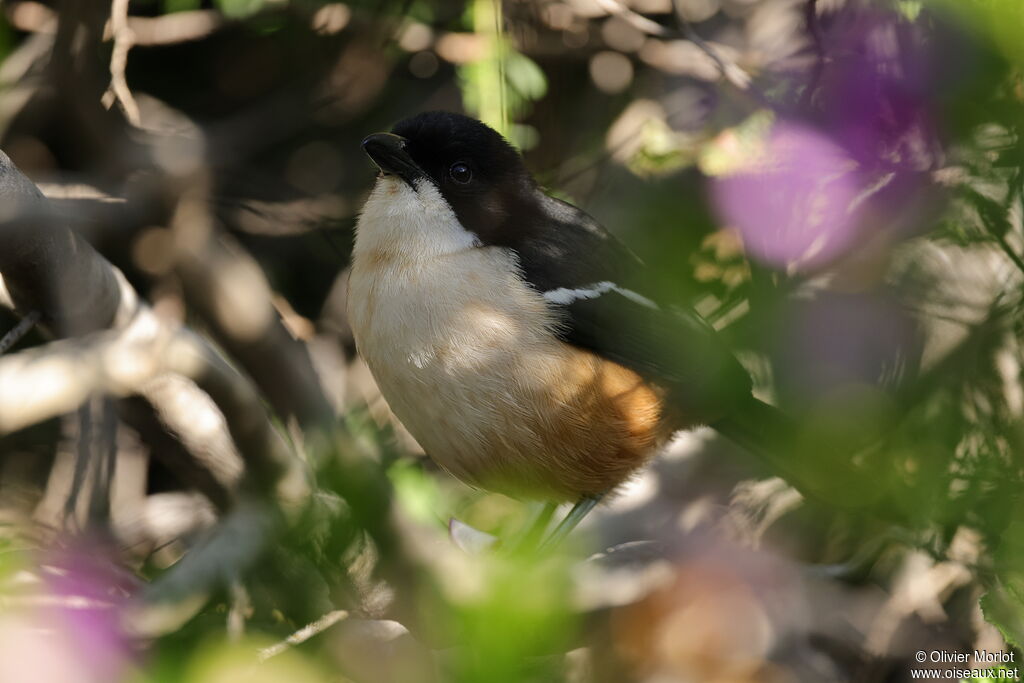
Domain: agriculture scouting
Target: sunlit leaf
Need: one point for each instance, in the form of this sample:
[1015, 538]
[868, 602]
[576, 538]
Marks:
[240, 9]
[1002, 20]
[1005, 613]
[417, 492]
[226, 663]
[523, 74]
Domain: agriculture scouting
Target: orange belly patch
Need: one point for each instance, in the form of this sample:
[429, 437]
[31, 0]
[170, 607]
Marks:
[593, 423]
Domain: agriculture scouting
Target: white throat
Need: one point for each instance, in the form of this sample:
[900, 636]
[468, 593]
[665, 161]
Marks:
[408, 223]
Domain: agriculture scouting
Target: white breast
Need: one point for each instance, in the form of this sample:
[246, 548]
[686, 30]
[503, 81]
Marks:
[442, 324]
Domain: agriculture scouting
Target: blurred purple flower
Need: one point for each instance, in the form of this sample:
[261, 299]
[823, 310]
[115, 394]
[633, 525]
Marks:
[89, 592]
[63, 625]
[795, 204]
[877, 89]
[856, 154]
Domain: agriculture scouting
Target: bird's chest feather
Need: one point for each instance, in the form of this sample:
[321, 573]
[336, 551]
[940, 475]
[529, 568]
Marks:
[431, 323]
[460, 336]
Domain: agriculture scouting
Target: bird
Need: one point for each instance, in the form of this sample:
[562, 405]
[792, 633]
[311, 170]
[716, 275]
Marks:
[526, 348]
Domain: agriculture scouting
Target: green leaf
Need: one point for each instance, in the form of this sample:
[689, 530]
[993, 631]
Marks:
[416, 491]
[1004, 612]
[1003, 604]
[1001, 20]
[239, 9]
[523, 74]
[502, 84]
[910, 8]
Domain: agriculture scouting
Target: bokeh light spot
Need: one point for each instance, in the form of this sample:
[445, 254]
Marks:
[423, 64]
[611, 72]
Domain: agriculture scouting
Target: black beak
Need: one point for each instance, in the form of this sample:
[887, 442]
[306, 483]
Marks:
[388, 151]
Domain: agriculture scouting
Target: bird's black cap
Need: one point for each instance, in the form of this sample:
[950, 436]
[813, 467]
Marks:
[480, 175]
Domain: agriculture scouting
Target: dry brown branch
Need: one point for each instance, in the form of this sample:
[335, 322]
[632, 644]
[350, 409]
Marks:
[19, 65]
[178, 27]
[56, 378]
[168, 29]
[77, 191]
[6, 300]
[49, 268]
[229, 290]
[194, 465]
[32, 17]
[730, 70]
[637, 20]
[77, 82]
[291, 217]
[82, 295]
[124, 39]
[727, 68]
[198, 424]
[128, 32]
[98, 474]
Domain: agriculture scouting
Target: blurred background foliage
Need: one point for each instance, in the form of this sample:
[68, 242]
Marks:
[836, 185]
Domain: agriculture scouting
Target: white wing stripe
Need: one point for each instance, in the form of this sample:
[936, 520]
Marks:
[565, 296]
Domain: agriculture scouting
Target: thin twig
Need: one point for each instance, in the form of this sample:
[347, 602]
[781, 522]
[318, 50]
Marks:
[19, 331]
[1015, 189]
[172, 29]
[501, 54]
[303, 634]
[732, 72]
[1008, 250]
[241, 606]
[636, 20]
[124, 39]
[83, 457]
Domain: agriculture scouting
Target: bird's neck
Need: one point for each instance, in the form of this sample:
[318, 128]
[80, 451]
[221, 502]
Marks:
[400, 222]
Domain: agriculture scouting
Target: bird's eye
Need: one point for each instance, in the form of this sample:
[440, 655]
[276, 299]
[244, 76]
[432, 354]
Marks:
[460, 173]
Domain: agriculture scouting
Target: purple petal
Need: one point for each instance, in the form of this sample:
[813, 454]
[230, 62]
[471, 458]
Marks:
[796, 204]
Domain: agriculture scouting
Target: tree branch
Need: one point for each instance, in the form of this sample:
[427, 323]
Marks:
[124, 39]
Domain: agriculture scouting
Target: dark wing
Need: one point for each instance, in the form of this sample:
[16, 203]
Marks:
[608, 305]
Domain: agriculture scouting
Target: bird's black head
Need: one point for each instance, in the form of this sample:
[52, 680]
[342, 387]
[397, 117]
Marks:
[480, 175]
